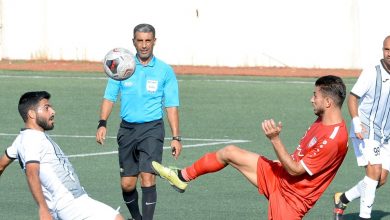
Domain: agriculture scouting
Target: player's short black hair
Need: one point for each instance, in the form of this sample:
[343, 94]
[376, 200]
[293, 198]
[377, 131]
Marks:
[30, 100]
[144, 28]
[333, 87]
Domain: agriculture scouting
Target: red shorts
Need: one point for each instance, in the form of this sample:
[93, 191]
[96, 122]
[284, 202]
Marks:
[268, 175]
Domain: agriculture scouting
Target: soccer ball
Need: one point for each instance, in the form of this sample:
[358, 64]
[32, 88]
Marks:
[119, 64]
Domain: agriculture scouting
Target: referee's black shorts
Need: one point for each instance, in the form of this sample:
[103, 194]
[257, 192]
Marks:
[139, 145]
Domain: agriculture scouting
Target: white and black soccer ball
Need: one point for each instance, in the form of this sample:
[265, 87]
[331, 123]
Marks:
[119, 64]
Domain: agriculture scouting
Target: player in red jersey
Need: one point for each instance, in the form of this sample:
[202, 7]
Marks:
[295, 182]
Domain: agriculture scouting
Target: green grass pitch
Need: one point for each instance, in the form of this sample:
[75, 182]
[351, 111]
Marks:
[214, 111]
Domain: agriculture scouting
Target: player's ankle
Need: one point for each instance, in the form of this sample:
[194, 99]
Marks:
[344, 199]
[181, 177]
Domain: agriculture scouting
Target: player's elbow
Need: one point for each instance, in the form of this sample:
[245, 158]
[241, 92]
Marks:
[294, 173]
[296, 170]
[2, 168]
[3, 165]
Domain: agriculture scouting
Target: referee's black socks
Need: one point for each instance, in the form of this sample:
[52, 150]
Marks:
[149, 200]
[131, 201]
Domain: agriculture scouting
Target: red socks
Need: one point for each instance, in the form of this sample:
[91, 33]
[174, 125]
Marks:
[208, 163]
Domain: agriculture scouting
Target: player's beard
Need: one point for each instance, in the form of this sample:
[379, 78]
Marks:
[44, 124]
[319, 111]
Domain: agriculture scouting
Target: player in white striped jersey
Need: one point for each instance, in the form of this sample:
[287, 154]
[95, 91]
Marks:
[369, 107]
[50, 176]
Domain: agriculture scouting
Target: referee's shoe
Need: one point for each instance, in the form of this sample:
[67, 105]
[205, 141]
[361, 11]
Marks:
[170, 174]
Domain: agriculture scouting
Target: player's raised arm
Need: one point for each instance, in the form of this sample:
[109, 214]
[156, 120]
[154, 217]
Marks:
[272, 131]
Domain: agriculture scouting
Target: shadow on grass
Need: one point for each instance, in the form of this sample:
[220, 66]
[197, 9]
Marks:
[375, 214]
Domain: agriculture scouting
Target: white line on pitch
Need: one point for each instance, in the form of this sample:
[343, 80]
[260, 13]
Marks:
[165, 148]
[113, 137]
[210, 141]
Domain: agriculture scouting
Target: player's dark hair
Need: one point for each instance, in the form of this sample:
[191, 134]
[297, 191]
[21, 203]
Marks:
[30, 100]
[333, 87]
[144, 28]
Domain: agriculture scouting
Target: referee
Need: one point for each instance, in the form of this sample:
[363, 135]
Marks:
[152, 88]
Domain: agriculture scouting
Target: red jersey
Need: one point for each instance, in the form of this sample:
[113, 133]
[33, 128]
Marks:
[321, 151]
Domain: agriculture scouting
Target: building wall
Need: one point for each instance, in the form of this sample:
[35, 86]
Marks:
[299, 33]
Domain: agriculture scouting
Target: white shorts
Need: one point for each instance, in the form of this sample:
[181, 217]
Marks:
[85, 207]
[372, 151]
[385, 154]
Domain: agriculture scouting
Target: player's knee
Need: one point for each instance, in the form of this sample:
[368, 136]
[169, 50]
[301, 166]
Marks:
[128, 186]
[119, 217]
[227, 152]
[148, 179]
[229, 149]
[374, 171]
[382, 182]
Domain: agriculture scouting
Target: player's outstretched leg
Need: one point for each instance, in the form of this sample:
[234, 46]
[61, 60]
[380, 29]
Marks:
[208, 163]
[170, 174]
[339, 206]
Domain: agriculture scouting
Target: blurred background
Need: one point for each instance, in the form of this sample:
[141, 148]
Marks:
[279, 33]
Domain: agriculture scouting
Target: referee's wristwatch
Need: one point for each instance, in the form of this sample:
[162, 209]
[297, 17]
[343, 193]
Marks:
[176, 138]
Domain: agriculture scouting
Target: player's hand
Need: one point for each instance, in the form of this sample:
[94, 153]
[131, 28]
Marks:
[360, 135]
[359, 129]
[271, 130]
[101, 135]
[176, 148]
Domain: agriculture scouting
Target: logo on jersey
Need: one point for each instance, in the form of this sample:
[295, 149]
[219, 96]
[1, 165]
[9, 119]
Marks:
[299, 149]
[128, 84]
[312, 142]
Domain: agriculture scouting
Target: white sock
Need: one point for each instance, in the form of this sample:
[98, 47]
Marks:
[367, 196]
[355, 192]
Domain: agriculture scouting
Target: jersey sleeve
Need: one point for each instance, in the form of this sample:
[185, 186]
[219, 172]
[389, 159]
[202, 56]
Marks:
[32, 148]
[363, 83]
[112, 90]
[320, 156]
[11, 152]
[171, 89]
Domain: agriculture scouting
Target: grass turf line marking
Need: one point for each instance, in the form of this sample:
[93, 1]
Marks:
[209, 142]
[166, 148]
[114, 137]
